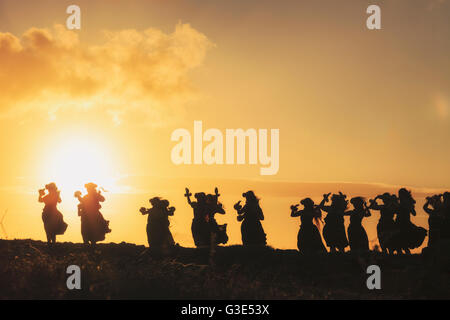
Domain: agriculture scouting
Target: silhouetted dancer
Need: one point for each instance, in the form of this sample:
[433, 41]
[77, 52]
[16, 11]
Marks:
[334, 229]
[445, 230]
[93, 225]
[251, 215]
[218, 231]
[386, 224]
[308, 238]
[200, 227]
[53, 219]
[408, 236]
[357, 236]
[435, 219]
[158, 233]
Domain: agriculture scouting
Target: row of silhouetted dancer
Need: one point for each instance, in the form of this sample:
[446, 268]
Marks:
[93, 224]
[396, 233]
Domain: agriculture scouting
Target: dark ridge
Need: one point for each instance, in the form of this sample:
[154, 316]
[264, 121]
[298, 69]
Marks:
[31, 270]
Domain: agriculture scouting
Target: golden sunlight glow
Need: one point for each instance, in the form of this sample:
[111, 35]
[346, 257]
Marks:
[78, 161]
[100, 104]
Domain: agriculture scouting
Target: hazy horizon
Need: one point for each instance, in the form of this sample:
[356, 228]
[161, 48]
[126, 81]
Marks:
[359, 111]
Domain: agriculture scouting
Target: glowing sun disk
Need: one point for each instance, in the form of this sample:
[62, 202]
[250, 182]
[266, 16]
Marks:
[78, 162]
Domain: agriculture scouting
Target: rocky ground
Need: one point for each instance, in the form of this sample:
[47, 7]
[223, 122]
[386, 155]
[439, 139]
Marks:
[31, 270]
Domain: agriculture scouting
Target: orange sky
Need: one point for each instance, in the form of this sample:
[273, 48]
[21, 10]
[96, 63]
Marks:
[359, 111]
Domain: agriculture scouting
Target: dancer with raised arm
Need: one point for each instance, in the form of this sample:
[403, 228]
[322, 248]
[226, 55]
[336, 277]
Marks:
[408, 236]
[199, 226]
[309, 240]
[445, 230]
[435, 219]
[251, 216]
[334, 229]
[357, 236]
[218, 232]
[93, 224]
[53, 219]
[158, 233]
[386, 224]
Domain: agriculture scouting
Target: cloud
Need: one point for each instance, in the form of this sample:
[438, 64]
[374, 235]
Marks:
[278, 189]
[141, 71]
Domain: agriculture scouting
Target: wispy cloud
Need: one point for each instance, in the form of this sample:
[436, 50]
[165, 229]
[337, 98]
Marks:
[282, 189]
[141, 71]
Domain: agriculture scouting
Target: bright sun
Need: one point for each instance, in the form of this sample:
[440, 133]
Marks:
[78, 161]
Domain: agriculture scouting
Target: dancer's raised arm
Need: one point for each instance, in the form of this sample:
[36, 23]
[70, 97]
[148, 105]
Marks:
[41, 195]
[219, 209]
[239, 209]
[322, 205]
[77, 194]
[170, 211]
[426, 207]
[294, 211]
[188, 196]
[366, 210]
[374, 205]
[100, 197]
